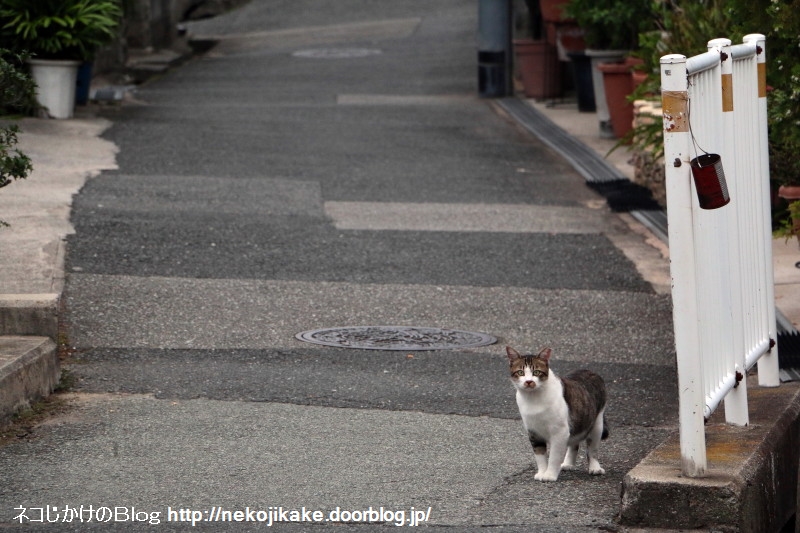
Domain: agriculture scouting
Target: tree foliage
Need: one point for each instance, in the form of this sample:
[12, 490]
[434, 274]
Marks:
[59, 29]
[16, 90]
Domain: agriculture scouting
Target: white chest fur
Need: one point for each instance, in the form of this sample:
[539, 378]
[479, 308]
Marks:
[544, 410]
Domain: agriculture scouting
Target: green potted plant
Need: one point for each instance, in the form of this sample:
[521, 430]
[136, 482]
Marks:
[680, 27]
[611, 24]
[783, 109]
[59, 35]
[611, 30]
[684, 27]
[785, 174]
[542, 42]
[536, 58]
[789, 225]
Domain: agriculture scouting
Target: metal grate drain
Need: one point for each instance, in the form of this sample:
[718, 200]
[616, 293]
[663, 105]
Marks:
[396, 338]
[336, 53]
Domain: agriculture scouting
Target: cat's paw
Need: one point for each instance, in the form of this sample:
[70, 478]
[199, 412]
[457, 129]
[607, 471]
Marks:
[544, 476]
[597, 471]
[566, 466]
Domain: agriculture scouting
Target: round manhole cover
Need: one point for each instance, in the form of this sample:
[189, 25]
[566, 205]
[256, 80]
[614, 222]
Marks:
[336, 53]
[396, 338]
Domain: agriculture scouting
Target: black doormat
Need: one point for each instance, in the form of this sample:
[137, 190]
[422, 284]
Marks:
[624, 195]
[789, 349]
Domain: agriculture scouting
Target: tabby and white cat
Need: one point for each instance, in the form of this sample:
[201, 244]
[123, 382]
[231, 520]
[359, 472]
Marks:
[558, 413]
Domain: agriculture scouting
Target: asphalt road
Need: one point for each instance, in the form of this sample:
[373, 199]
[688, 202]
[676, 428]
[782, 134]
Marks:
[330, 164]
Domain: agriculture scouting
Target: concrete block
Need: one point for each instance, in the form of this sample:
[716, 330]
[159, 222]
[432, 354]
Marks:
[29, 314]
[29, 371]
[751, 481]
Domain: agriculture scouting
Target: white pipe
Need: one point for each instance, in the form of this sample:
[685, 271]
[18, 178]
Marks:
[721, 392]
[699, 63]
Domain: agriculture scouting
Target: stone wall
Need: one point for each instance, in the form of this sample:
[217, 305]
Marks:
[649, 170]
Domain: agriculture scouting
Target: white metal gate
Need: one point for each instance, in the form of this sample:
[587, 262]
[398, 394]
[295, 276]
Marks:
[721, 259]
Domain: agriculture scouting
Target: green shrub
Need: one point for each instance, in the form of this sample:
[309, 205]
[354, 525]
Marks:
[611, 24]
[16, 91]
[685, 26]
[58, 29]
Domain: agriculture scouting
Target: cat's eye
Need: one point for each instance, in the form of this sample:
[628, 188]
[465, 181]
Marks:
[518, 373]
[538, 373]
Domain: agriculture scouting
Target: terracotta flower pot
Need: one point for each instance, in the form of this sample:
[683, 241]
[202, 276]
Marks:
[618, 84]
[639, 77]
[789, 192]
[539, 68]
[552, 10]
[570, 37]
[598, 57]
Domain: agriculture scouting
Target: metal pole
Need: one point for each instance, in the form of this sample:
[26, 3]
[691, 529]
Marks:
[494, 48]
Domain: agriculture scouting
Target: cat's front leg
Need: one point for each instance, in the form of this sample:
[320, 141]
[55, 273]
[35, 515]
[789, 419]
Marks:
[558, 450]
[541, 464]
[539, 453]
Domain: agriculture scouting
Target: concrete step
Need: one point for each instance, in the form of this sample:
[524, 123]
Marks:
[29, 371]
[751, 479]
[29, 314]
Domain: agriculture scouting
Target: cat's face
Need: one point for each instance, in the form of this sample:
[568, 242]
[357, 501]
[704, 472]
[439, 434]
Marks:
[528, 371]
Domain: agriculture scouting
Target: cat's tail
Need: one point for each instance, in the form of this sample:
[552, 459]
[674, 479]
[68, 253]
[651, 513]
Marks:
[606, 433]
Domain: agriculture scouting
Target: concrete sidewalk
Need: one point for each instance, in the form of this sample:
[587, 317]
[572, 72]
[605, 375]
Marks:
[65, 153]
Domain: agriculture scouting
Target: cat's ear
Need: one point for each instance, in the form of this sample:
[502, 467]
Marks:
[545, 354]
[512, 353]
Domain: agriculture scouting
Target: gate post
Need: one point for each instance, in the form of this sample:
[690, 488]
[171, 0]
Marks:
[675, 99]
[768, 370]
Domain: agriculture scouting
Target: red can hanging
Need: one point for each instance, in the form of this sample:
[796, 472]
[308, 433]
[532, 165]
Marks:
[709, 180]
